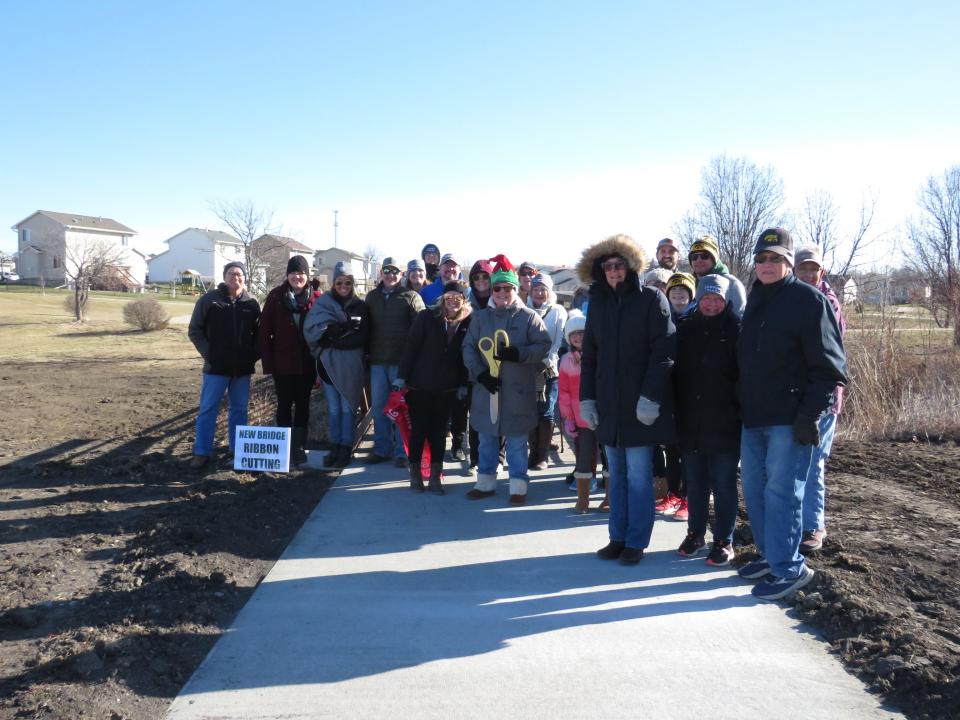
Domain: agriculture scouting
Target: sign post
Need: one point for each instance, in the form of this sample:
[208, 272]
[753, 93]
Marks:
[262, 449]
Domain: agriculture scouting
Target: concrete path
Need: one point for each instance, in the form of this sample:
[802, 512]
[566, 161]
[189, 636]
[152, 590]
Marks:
[394, 605]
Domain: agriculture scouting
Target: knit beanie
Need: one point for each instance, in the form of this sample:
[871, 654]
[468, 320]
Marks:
[234, 264]
[503, 271]
[428, 248]
[684, 280]
[706, 243]
[576, 320]
[454, 286]
[656, 275]
[542, 279]
[298, 263]
[713, 284]
[481, 266]
[342, 268]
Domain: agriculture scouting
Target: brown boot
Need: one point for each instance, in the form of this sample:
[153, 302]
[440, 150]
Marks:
[605, 503]
[416, 477]
[436, 485]
[583, 493]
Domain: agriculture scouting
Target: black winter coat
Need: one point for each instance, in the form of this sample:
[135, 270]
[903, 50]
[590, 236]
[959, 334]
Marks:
[790, 354]
[628, 351]
[224, 331]
[431, 362]
[705, 382]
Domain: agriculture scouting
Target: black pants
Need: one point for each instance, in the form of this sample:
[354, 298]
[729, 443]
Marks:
[586, 451]
[458, 421]
[293, 390]
[667, 462]
[428, 417]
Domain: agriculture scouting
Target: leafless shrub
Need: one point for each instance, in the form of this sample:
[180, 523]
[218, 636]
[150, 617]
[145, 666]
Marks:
[70, 305]
[899, 390]
[146, 314]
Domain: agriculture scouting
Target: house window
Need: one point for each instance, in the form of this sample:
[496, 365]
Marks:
[125, 241]
[56, 262]
[237, 250]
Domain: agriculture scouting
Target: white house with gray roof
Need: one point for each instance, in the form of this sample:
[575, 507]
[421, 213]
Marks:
[202, 251]
[49, 241]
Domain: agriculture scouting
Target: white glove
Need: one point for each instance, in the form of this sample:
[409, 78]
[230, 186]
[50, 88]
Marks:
[588, 411]
[647, 411]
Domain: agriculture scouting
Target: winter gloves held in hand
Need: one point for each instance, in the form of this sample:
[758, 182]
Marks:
[806, 431]
[647, 410]
[508, 353]
[491, 383]
[588, 411]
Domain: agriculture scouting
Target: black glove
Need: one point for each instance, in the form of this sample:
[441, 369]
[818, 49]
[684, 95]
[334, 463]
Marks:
[491, 383]
[511, 354]
[806, 431]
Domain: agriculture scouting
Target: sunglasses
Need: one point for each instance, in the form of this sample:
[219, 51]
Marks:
[345, 283]
[770, 259]
[453, 296]
[391, 271]
[503, 288]
[480, 276]
[613, 265]
[527, 273]
[700, 256]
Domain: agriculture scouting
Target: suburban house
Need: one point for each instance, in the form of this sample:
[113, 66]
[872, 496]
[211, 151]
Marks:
[52, 243]
[204, 252]
[273, 252]
[845, 288]
[325, 260]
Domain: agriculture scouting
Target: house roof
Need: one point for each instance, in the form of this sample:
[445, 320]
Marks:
[86, 222]
[214, 235]
[352, 255]
[288, 242]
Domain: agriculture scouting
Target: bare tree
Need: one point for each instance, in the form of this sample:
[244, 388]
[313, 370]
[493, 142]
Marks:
[818, 225]
[737, 200]
[934, 239]
[247, 221]
[371, 259]
[87, 261]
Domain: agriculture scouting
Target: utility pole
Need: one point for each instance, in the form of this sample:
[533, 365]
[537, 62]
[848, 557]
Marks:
[335, 226]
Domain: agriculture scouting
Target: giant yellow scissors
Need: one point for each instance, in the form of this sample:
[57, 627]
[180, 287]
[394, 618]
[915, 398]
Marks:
[489, 347]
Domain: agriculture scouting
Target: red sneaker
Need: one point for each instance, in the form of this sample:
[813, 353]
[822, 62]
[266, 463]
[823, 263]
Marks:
[682, 513]
[669, 504]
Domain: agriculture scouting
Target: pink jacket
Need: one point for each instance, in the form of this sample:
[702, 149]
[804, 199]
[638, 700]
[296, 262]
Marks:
[569, 388]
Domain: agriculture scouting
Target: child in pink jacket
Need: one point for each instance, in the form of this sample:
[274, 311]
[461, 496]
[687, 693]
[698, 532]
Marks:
[585, 439]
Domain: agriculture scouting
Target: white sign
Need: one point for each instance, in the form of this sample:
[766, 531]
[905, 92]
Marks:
[262, 449]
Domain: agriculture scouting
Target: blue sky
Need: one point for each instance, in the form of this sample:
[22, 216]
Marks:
[527, 128]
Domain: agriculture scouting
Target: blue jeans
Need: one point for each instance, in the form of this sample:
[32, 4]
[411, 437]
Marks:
[551, 390]
[211, 393]
[630, 491]
[716, 472]
[340, 419]
[774, 472]
[490, 455]
[386, 439]
[815, 491]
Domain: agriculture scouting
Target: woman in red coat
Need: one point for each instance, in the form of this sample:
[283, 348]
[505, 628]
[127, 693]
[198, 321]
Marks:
[284, 353]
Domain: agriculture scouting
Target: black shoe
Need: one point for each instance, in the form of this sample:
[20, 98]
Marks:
[333, 457]
[631, 556]
[345, 456]
[610, 551]
[374, 459]
[691, 545]
[458, 455]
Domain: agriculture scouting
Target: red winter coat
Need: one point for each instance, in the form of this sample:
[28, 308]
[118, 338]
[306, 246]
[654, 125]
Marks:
[569, 388]
[283, 351]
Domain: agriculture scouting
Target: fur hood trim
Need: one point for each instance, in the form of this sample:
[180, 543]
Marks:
[588, 269]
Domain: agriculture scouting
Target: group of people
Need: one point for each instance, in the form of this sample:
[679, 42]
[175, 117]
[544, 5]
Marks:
[653, 371]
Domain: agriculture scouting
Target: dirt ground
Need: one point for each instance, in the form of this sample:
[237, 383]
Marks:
[120, 567]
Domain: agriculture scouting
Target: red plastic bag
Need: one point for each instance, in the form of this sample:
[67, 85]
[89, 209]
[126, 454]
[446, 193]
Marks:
[397, 410]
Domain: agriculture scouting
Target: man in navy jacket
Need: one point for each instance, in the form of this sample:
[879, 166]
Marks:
[791, 358]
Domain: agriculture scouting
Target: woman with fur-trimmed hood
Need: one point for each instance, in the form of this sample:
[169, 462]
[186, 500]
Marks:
[625, 385]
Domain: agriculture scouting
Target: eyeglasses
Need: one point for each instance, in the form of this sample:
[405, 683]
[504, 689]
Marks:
[344, 283]
[769, 258]
[480, 276]
[391, 271]
[700, 256]
[503, 288]
[453, 296]
[527, 273]
[613, 265]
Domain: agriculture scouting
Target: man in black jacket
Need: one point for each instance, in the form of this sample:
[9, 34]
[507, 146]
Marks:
[223, 328]
[791, 358]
